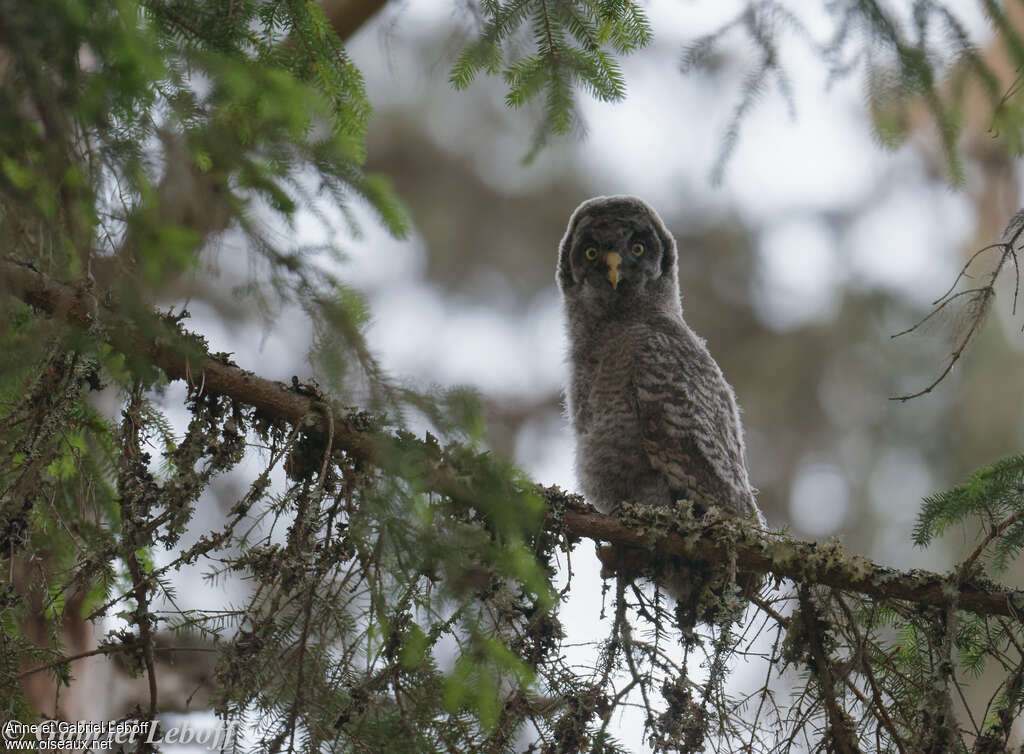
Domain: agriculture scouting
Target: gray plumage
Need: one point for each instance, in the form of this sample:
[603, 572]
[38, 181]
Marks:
[655, 420]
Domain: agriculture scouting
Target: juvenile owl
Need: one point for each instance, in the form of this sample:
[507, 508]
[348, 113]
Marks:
[655, 420]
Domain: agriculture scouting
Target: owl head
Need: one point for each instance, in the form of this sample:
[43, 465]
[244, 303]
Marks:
[616, 256]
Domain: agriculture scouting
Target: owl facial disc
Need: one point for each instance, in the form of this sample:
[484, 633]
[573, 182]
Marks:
[613, 261]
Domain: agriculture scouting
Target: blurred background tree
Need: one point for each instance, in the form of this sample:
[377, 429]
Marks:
[159, 156]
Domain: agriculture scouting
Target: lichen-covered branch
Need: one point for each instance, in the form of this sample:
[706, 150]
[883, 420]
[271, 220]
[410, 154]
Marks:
[661, 531]
[827, 564]
[135, 490]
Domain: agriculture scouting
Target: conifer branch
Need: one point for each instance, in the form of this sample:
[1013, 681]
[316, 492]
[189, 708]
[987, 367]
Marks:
[827, 564]
[105, 650]
[714, 539]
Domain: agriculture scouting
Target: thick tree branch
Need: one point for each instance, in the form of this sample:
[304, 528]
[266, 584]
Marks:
[659, 531]
[348, 16]
[179, 357]
[827, 564]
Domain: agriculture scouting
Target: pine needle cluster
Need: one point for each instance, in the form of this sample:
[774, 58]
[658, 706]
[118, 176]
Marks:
[574, 43]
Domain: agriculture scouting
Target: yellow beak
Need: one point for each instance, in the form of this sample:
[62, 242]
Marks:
[613, 261]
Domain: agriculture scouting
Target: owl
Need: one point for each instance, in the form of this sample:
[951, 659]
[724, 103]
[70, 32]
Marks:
[655, 420]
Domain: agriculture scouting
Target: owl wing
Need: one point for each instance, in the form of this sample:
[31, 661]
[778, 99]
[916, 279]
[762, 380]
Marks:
[689, 419]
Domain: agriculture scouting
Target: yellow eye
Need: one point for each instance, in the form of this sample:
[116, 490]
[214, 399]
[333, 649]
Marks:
[591, 252]
[638, 250]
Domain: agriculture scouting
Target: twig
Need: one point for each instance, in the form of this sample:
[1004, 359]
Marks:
[106, 649]
[983, 295]
[624, 631]
[864, 667]
[940, 307]
[843, 735]
[131, 468]
[781, 619]
[953, 359]
[764, 692]
[965, 568]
